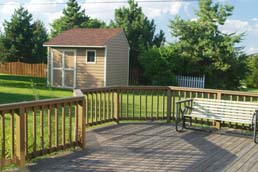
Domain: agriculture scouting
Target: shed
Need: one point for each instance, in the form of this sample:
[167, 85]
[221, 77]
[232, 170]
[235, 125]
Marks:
[87, 58]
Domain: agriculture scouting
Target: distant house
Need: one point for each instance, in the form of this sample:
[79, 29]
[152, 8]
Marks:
[87, 58]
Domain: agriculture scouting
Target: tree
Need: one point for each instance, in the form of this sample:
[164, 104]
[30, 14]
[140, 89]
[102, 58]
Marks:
[3, 51]
[39, 37]
[18, 35]
[140, 31]
[252, 77]
[23, 40]
[74, 17]
[205, 50]
[159, 65]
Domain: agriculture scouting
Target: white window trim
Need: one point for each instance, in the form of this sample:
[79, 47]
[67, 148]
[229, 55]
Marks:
[86, 57]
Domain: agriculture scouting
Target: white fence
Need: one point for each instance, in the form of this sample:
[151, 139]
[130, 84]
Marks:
[190, 81]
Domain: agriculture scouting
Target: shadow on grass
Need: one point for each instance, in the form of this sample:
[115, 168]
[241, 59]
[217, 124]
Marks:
[12, 98]
[21, 81]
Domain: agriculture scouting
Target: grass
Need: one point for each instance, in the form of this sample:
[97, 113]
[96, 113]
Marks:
[24, 88]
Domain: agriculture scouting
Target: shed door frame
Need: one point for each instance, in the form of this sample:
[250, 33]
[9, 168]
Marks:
[63, 67]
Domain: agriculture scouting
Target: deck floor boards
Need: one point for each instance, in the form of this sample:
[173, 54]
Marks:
[156, 147]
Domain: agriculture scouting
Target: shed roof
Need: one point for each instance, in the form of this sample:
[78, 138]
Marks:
[84, 37]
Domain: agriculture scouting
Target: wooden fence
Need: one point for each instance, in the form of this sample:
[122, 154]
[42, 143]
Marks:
[19, 68]
[31, 129]
[191, 81]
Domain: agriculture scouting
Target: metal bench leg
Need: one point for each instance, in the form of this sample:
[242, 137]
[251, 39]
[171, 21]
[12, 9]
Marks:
[255, 132]
[180, 124]
[255, 127]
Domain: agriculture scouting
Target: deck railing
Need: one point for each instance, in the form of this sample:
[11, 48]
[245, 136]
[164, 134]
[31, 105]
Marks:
[149, 103]
[31, 129]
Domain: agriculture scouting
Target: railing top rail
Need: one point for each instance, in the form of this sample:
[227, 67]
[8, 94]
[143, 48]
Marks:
[145, 87]
[45, 102]
[92, 90]
[237, 93]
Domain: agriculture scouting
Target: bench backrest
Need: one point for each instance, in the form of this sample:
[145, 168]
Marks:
[224, 110]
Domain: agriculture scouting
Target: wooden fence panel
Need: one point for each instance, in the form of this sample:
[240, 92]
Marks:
[20, 68]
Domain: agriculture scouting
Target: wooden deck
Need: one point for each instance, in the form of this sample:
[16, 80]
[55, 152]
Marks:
[156, 147]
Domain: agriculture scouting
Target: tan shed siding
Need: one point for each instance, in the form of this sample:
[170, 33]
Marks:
[90, 75]
[117, 61]
[49, 66]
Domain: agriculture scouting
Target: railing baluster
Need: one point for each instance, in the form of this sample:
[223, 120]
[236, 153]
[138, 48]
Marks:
[49, 126]
[12, 134]
[157, 93]
[146, 105]
[121, 105]
[91, 108]
[133, 103]
[56, 126]
[87, 109]
[152, 104]
[63, 124]
[108, 105]
[99, 111]
[76, 138]
[163, 105]
[34, 131]
[96, 107]
[104, 106]
[113, 105]
[70, 122]
[127, 101]
[140, 103]
[41, 128]
[3, 136]
[26, 139]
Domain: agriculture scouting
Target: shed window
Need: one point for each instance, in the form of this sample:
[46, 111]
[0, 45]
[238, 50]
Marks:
[91, 56]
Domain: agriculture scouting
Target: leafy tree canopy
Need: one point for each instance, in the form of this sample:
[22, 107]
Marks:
[204, 49]
[74, 17]
[252, 77]
[140, 31]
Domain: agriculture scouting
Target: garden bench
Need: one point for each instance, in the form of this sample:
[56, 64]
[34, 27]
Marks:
[217, 110]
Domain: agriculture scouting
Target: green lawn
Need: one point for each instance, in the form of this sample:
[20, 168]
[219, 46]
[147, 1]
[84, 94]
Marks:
[24, 88]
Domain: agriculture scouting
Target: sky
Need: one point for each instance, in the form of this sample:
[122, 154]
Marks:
[243, 20]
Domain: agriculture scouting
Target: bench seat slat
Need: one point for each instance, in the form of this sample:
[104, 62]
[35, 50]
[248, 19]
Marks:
[225, 111]
[212, 117]
[225, 101]
[222, 115]
[239, 106]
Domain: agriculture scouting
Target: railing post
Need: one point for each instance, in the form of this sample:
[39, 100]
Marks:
[216, 123]
[116, 105]
[169, 96]
[219, 95]
[81, 122]
[20, 137]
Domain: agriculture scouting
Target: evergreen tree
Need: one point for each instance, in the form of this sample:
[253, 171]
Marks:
[39, 37]
[140, 31]
[74, 17]
[18, 36]
[23, 40]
